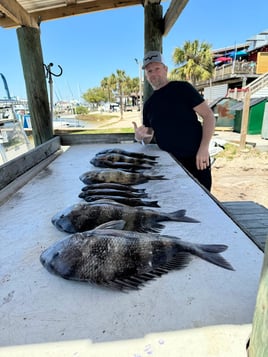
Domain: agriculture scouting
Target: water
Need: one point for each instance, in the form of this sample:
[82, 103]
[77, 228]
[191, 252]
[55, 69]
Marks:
[67, 122]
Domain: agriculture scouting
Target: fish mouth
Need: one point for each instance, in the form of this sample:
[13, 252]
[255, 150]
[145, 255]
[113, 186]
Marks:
[55, 267]
[63, 224]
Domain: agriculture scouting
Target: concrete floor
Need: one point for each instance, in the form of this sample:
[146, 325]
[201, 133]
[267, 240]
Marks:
[39, 311]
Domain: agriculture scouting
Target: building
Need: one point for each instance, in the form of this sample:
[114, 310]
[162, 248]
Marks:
[238, 67]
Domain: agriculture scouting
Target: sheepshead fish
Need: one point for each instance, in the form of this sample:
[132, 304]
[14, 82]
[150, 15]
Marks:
[117, 176]
[111, 192]
[111, 257]
[128, 201]
[118, 165]
[127, 153]
[113, 186]
[85, 216]
[123, 158]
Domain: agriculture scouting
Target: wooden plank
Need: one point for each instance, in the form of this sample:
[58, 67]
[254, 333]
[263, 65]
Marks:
[34, 74]
[77, 139]
[153, 39]
[14, 11]
[175, 9]
[52, 12]
[245, 117]
[259, 338]
[18, 166]
[252, 218]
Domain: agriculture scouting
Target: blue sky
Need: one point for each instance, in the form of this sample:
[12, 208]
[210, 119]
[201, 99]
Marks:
[93, 46]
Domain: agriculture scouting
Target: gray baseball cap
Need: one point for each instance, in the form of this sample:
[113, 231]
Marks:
[152, 56]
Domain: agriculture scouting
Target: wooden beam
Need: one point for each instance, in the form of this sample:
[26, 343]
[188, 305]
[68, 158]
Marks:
[173, 12]
[244, 121]
[153, 31]
[258, 345]
[35, 80]
[17, 14]
[69, 9]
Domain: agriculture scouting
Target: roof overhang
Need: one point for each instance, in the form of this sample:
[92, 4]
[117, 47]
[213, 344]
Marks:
[16, 13]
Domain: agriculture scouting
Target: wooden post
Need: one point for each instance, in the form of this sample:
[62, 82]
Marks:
[258, 346]
[244, 122]
[35, 81]
[153, 32]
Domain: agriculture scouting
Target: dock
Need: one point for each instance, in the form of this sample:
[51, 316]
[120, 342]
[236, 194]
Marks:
[252, 218]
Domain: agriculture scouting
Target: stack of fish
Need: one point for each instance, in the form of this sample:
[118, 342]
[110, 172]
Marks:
[120, 171]
[114, 244]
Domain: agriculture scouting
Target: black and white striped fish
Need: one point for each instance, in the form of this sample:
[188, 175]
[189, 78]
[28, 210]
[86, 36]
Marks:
[85, 216]
[117, 176]
[124, 260]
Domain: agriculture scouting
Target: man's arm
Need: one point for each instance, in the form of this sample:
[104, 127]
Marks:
[202, 157]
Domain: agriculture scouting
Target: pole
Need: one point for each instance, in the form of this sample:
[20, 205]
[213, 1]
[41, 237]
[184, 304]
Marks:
[259, 336]
[34, 75]
[245, 117]
[140, 87]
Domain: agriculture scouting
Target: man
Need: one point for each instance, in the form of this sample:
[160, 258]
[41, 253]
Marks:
[170, 114]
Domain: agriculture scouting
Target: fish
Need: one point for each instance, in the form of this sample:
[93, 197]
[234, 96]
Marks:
[118, 165]
[127, 153]
[123, 158]
[117, 176]
[112, 192]
[129, 201]
[114, 186]
[84, 216]
[123, 260]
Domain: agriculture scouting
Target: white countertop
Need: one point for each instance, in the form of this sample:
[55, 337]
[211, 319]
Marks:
[37, 307]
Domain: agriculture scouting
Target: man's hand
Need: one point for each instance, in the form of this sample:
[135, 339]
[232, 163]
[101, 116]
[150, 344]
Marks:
[143, 133]
[202, 159]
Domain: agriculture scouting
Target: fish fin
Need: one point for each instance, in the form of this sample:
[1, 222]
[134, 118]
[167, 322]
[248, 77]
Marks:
[151, 203]
[211, 255]
[180, 217]
[155, 177]
[119, 225]
[213, 248]
[140, 190]
[179, 261]
[156, 228]
[137, 281]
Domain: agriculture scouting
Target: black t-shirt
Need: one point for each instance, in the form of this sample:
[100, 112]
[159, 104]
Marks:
[169, 111]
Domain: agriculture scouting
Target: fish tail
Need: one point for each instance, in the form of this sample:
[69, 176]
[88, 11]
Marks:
[210, 253]
[155, 177]
[140, 195]
[151, 203]
[179, 216]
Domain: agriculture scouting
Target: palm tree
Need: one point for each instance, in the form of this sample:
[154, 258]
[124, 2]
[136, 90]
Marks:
[195, 62]
[120, 79]
[105, 85]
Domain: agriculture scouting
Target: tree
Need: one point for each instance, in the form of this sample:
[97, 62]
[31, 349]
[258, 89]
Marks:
[116, 85]
[95, 96]
[132, 89]
[108, 85]
[195, 62]
[120, 80]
